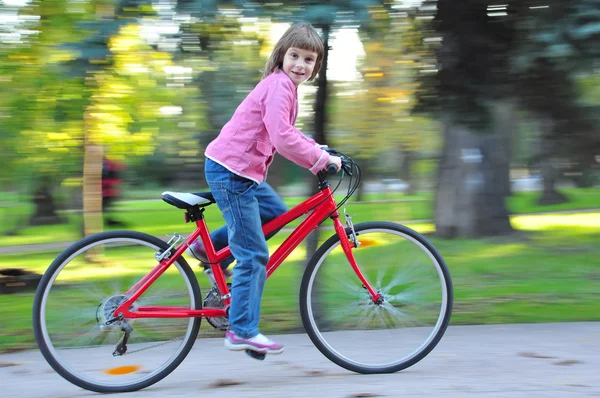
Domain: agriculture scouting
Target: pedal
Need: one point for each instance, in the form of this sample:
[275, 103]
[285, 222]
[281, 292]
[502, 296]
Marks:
[256, 355]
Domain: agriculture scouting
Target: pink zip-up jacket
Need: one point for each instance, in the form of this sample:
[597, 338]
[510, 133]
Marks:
[262, 124]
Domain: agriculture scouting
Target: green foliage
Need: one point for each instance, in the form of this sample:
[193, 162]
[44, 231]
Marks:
[84, 59]
[38, 107]
[372, 117]
[225, 49]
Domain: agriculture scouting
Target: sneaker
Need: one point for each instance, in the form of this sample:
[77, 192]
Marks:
[196, 250]
[259, 343]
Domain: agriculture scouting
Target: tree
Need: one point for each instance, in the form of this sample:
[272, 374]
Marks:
[559, 44]
[103, 92]
[468, 90]
[492, 59]
[229, 55]
[39, 148]
[373, 116]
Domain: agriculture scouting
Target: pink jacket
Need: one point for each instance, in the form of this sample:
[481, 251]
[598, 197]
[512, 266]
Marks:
[262, 124]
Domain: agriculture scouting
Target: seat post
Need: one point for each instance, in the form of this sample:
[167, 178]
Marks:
[194, 214]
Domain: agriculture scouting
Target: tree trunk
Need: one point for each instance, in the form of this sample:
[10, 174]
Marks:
[470, 190]
[92, 182]
[45, 208]
[320, 125]
[550, 195]
[406, 173]
[364, 170]
[505, 125]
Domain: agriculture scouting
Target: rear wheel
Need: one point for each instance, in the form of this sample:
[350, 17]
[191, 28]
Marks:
[73, 310]
[366, 337]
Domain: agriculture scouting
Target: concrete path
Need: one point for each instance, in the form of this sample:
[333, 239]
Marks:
[533, 360]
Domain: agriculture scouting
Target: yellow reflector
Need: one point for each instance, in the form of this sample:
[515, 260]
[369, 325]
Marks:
[123, 370]
[367, 242]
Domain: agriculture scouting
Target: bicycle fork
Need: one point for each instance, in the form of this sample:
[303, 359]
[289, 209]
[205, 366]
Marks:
[347, 246]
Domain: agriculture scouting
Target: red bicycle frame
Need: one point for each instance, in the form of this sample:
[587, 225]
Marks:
[322, 206]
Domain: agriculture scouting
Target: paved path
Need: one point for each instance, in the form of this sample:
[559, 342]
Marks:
[539, 360]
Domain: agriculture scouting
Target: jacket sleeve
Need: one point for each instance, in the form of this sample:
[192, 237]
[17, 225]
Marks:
[277, 105]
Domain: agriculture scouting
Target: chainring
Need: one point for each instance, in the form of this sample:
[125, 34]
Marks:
[213, 299]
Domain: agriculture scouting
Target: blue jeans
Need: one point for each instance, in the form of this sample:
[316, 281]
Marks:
[246, 206]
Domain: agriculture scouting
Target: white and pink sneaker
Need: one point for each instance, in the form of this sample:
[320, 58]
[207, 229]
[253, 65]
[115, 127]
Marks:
[259, 343]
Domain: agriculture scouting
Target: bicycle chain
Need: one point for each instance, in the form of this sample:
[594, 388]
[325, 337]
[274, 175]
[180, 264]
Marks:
[153, 346]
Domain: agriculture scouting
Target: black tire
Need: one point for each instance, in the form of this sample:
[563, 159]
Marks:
[45, 286]
[310, 316]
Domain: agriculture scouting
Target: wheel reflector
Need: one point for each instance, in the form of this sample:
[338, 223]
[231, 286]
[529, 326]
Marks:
[367, 242]
[123, 370]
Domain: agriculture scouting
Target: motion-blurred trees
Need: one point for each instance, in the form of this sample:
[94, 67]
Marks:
[37, 145]
[86, 86]
[493, 58]
[229, 54]
[372, 117]
[118, 69]
[479, 65]
[558, 46]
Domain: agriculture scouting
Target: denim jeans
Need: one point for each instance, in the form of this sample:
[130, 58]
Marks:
[246, 206]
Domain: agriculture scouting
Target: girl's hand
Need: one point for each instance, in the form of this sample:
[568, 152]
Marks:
[335, 160]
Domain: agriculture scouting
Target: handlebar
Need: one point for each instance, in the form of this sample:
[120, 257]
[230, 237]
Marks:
[346, 163]
[349, 168]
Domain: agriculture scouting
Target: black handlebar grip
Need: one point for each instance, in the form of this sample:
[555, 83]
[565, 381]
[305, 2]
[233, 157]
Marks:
[331, 169]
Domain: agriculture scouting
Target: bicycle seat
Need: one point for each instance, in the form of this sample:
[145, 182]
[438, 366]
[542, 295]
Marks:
[186, 201]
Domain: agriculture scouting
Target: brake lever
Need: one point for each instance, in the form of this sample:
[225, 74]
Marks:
[347, 168]
[331, 151]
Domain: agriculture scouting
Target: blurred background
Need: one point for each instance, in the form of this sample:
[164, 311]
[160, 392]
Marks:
[473, 121]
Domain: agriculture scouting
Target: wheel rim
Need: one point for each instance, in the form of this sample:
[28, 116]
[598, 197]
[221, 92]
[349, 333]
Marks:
[81, 293]
[374, 337]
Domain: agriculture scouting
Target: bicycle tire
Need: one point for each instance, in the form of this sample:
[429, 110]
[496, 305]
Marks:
[44, 288]
[310, 318]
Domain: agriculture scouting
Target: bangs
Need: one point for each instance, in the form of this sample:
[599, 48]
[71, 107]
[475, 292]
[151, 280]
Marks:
[306, 41]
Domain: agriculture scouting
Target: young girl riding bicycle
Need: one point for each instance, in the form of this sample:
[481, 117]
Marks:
[236, 167]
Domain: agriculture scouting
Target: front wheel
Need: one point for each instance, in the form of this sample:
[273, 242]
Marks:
[367, 337]
[73, 313]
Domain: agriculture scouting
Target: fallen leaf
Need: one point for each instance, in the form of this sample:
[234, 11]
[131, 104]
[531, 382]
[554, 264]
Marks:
[7, 364]
[534, 355]
[567, 362]
[226, 383]
[315, 373]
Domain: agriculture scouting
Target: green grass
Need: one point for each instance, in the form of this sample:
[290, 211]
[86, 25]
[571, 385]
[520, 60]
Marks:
[579, 198]
[158, 218]
[548, 272]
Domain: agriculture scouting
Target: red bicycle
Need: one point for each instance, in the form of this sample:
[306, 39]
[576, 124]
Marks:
[120, 310]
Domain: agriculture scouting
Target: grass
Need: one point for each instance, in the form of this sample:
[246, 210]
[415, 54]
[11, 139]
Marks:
[158, 218]
[547, 272]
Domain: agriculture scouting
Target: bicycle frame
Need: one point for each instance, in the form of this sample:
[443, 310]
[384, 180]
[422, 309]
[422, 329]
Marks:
[322, 206]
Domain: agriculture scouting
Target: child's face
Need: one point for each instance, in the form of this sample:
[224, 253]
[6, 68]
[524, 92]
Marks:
[298, 64]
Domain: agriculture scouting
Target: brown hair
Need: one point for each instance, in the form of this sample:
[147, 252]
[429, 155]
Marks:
[300, 35]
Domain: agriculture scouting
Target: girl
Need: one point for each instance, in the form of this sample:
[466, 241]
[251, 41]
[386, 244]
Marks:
[236, 168]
